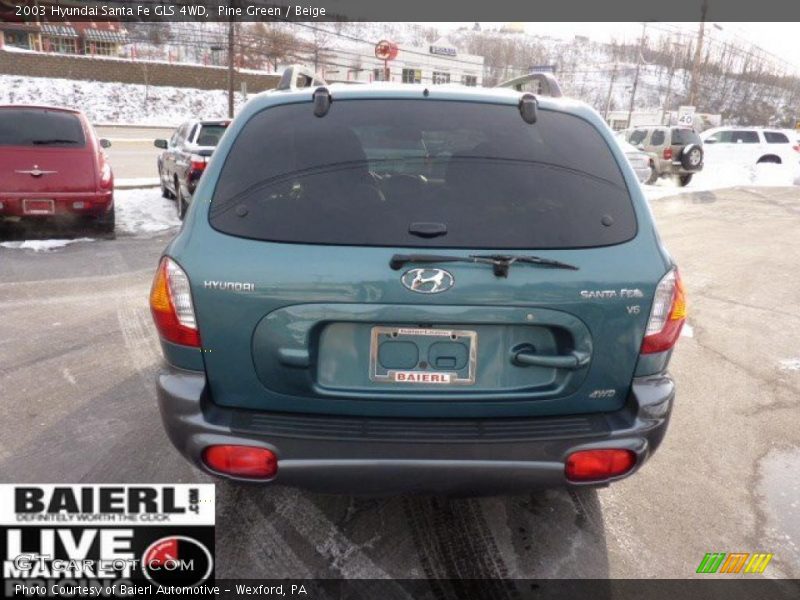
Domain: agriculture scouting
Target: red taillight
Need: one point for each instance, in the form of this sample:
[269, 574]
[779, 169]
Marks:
[796, 147]
[198, 163]
[597, 465]
[667, 315]
[241, 461]
[667, 153]
[171, 305]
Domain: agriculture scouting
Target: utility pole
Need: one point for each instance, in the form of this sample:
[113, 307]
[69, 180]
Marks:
[610, 90]
[698, 54]
[231, 48]
[636, 77]
[668, 99]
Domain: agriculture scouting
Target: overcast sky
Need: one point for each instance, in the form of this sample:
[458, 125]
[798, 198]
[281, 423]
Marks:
[780, 39]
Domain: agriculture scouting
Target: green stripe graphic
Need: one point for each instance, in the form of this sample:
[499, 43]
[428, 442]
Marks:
[711, 562]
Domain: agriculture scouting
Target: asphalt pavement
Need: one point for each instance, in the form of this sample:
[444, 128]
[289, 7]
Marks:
[78, 354]
[132, 154]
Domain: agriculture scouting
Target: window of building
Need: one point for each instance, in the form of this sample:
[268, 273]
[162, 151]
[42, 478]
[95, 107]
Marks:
[441, 77]
[60, 45]
[17, 39]
[412, 75]
[103, 48]
[380, 75]
[470, 80]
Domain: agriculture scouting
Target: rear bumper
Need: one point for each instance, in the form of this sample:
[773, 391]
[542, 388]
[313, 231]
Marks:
[367, 455]
[65, 204]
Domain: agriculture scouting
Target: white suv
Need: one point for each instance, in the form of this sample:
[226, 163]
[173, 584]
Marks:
[749, 146]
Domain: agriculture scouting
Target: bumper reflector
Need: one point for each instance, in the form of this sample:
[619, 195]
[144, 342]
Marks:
[597, 465]
[241, 461]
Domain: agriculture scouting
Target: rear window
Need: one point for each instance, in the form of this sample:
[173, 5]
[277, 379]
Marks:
[682, 137]
[40, 127]
[774, 137]
[370, 171]
[209, 135]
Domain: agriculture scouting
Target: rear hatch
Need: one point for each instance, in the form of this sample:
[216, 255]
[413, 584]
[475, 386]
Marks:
[44, 151]
[307, 304]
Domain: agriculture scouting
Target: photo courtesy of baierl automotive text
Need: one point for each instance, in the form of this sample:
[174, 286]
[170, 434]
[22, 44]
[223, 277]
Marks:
[399, 300]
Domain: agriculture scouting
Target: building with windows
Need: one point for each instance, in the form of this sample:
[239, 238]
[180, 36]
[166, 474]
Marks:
[436, 63]
[104, 38]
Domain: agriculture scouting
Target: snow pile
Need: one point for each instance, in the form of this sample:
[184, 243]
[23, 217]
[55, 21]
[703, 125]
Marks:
[113, 102]
[714, 177]
[143, 210]
[42, 245]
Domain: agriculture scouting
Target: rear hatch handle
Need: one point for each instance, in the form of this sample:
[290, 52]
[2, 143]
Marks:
[525, 356]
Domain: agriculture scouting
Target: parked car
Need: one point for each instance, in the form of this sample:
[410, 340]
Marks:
[677, 151]
[52, 167]
[643, 163]
[493, 312]
[747, 146]
[184, 159]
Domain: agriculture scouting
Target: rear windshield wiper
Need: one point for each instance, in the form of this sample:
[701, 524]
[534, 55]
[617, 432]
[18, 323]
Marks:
[500, 262]
[53, 141]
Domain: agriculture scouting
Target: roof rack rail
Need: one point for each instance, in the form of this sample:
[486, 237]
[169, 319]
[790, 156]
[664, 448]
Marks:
[540, 83]
[298, 77]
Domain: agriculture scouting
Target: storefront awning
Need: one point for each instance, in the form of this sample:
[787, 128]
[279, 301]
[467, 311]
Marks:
[59, 30]
[101, 35]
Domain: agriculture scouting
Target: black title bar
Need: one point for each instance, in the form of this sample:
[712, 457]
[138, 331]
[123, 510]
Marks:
[401, 10]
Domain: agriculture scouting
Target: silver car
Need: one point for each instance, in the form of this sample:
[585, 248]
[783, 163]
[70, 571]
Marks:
[642, 162]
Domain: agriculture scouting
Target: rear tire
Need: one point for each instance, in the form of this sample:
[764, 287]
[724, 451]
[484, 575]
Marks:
[653, 176]
[684, 180]
[165, 193]
[106, 224]
[180, 203]
[771, 159]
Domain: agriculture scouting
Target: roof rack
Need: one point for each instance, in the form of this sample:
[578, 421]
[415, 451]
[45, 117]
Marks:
[298, 77]
[540, 83]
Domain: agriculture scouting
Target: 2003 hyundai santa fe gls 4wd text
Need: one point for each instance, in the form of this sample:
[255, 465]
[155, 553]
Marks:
[382, 288]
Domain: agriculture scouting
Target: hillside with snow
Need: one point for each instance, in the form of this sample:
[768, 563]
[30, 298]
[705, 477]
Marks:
[107, 102]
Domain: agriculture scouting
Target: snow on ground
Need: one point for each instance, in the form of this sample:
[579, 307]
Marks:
[687, 331]
[143, 210]
[714, 177]
[43, 245]
[792, 364]
[113, 102]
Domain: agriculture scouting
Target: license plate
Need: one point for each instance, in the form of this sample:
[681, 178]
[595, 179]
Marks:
[39, 206]
[420, 356]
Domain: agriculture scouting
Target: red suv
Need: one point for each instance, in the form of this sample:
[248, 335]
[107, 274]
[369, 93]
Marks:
[52, 166]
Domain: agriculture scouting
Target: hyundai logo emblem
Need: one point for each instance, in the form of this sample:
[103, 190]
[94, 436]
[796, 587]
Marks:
[427, 281]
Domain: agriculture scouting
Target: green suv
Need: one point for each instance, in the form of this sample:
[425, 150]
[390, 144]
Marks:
[384, 289]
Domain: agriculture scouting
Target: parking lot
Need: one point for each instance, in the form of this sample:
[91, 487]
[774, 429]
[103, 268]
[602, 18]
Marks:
[78, 354]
